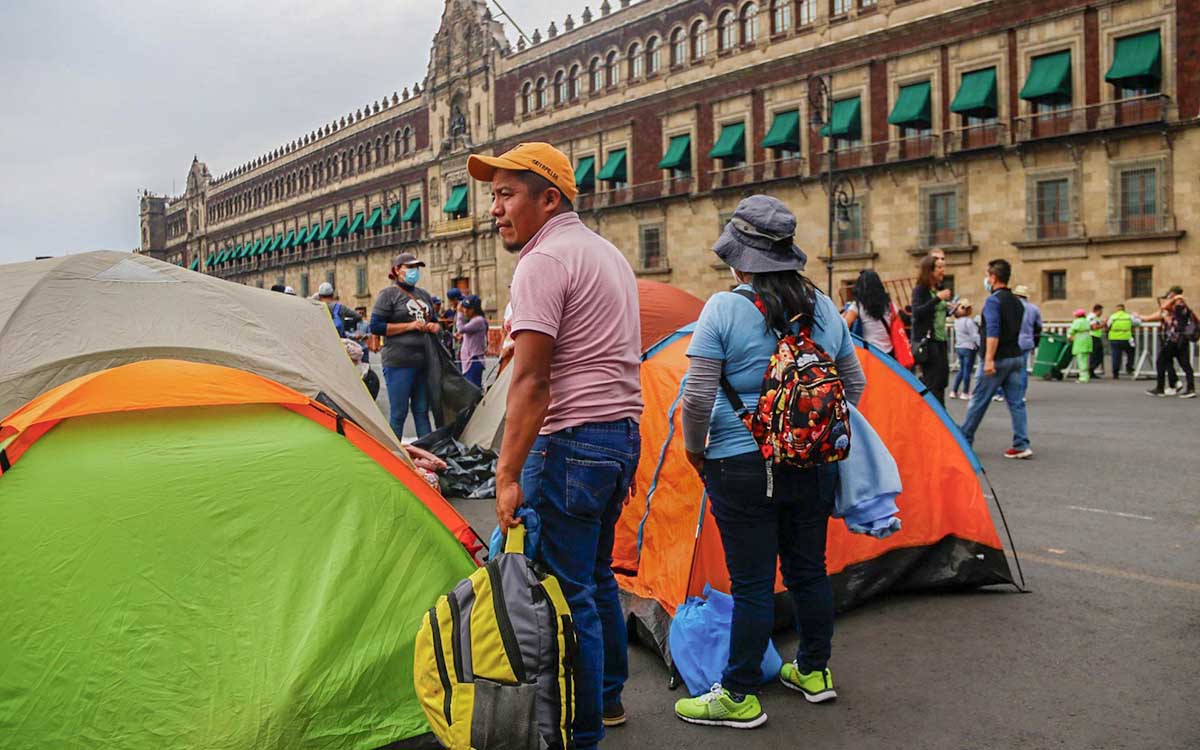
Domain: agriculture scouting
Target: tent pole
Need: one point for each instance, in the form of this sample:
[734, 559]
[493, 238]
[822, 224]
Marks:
[1008, 532]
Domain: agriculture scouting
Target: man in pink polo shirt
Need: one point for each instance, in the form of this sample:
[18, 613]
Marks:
[571, 441]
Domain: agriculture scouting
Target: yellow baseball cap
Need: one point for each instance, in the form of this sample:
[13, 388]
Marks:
[539, 158]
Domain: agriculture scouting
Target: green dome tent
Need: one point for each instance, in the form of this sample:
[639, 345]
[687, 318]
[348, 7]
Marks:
[197, 556]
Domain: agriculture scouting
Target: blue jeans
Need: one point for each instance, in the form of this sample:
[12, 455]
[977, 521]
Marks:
[966, 363]
[756, 531]
[405, 385]
[577, 481]
[1010, 378]
[474, 373]
[1025, 372]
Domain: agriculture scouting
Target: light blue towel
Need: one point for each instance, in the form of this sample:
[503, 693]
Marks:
[868, 483]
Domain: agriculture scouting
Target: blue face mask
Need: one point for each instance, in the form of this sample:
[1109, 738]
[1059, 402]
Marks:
[412, 276]
[987, 285]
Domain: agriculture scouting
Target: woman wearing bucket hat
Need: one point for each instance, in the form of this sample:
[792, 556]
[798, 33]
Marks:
[403, 314]
[760, 526]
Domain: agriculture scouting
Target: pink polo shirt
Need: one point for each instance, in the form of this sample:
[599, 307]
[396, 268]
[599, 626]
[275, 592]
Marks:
[574, 286]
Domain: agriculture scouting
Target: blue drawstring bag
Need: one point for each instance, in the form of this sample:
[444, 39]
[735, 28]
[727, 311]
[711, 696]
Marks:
[533, 528]
[699, 641]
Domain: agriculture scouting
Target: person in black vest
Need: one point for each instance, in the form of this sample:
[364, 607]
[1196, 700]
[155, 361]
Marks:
[1003, 360]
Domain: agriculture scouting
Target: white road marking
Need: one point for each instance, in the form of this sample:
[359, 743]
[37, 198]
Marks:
[1110, 512]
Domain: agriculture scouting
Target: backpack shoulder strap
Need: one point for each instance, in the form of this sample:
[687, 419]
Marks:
[731, 395]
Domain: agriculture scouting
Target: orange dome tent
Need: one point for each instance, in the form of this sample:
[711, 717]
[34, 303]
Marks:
[668, 548]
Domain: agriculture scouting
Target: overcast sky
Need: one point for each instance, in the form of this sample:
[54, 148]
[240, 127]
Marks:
[99, 100]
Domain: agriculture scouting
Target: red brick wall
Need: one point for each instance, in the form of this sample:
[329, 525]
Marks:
[874, 52]
[1187, 72]
[647, 150]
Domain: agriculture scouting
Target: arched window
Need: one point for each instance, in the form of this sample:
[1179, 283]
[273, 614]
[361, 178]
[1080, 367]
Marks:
[387, 147]
[725, 31]
[595, 76]
[636, 63]
[679, 49]
[573, 83]
[749, 24]
[781, 16]
[560, 87]
[653, 56]
[612, 69]
[407, 139]
[539, 98]
[699, 39]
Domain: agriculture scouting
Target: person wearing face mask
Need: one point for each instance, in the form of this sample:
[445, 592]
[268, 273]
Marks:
[1003, 360]
[761, 526]
[930, 306]
[571, 436]
[403, 315]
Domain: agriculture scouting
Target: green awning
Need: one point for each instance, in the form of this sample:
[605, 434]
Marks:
[325, 231]
[340, 230]
[261, 248]
[223, 256]
[846, 121]
[302, 236]
[679, 154]
[785, 132]
[289, 240]
[412, 214]
[250, 249]
[456, 204]
[976, 95]
[1137, 62]
[913, 109]
[195, 263]
[613, 169]
[356, 226]
[1049, 79]
[212, 258]
[276, 243]
[732, 143]
[373, 219]
[393, 215]
[314, 232]
[585, 173]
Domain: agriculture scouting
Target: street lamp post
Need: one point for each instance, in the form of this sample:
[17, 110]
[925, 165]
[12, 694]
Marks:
[840, 188]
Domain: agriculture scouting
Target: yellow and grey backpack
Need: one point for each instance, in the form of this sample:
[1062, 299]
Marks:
[494, 658]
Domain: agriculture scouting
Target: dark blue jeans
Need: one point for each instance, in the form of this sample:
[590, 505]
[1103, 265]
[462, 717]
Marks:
[966, 363]
[1010, 379]
[577, 481]
[474, 373]
[756, 531]
[407, 385]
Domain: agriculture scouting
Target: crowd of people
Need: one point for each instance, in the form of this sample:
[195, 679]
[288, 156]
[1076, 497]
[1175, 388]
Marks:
[995, 348]
[402, 328]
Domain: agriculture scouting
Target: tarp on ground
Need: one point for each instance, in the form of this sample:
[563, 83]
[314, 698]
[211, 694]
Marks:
[196, 556]
[66, 317]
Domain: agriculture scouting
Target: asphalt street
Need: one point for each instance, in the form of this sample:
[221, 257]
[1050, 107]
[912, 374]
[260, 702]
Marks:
[1104, 652]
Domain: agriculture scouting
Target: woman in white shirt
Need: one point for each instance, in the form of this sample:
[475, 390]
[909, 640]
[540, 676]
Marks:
[873, 308]
[966, 345]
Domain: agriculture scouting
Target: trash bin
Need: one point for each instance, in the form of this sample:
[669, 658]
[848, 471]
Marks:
[1052, 357]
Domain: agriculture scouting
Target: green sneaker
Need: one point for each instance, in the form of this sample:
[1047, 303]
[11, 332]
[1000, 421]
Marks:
[816, 686]
[717, 708]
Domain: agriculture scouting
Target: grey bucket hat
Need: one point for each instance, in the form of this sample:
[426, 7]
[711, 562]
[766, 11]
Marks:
[758, 238]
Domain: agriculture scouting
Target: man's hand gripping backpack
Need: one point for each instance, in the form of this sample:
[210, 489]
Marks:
[494, 658]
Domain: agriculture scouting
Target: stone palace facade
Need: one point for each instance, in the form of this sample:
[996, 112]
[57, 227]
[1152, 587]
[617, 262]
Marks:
[1056, 133]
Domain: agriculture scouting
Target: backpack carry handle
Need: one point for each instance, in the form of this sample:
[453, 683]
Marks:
[515, 543]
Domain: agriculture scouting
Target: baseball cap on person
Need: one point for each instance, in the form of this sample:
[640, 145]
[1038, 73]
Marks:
[404, 259]
[472, 302]
[455, 293]
[539, 158]
[325, 290]
[1020, 290]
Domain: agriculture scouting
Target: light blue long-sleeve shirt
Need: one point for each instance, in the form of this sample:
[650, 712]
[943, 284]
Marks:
[1031, 321]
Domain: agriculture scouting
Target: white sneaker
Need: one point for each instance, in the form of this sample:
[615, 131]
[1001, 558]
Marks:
[1170, 391]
